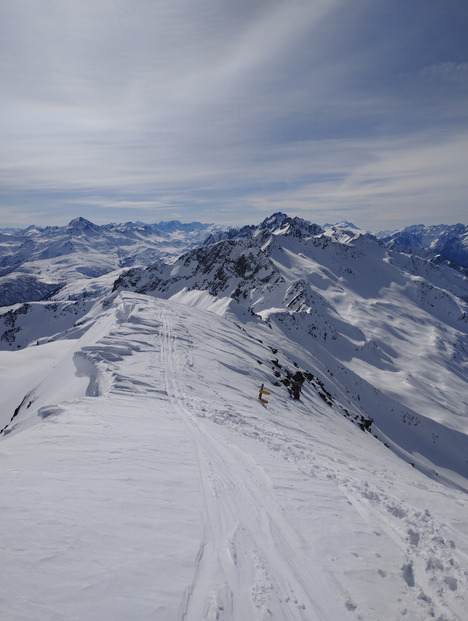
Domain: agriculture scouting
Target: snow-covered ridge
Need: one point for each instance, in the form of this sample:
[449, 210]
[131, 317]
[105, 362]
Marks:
[145, 480]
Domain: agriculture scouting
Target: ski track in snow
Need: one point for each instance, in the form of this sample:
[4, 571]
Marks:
[291, 527]
[239, 513]
[246, 536]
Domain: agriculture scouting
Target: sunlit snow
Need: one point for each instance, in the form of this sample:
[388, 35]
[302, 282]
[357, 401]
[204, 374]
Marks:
[143, 479]
[162, 489]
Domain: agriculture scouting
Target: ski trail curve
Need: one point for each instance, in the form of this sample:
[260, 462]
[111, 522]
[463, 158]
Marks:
[250, 564]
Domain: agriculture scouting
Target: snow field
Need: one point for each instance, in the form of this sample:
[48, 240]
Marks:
[162, 489]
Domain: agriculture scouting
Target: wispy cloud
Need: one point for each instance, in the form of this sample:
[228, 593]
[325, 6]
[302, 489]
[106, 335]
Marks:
[210, 109]
[456, 72]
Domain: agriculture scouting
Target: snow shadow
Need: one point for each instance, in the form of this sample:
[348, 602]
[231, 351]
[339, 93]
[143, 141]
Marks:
[86, 368]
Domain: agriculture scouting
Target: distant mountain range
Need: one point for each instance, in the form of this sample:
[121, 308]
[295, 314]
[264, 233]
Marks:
[36, 261]
[440, 244]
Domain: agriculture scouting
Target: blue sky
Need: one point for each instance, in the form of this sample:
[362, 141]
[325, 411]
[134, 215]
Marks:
[226, 111]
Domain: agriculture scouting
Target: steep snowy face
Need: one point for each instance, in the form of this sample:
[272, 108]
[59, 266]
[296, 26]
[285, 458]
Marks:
[441, 244]
[55, 256]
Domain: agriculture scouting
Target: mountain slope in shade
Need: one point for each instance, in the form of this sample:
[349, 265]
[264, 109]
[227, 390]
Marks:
[145, 480]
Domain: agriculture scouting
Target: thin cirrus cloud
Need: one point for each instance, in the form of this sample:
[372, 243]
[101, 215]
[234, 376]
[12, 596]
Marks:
[225, 111]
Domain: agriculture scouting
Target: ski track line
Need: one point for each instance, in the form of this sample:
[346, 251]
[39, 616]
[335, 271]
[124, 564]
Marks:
[246, 538]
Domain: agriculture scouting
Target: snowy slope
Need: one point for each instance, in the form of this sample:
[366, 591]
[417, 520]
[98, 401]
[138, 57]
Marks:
[28, 324]
[142, 479]
[399, 323]
[34, 261]
[344, 231]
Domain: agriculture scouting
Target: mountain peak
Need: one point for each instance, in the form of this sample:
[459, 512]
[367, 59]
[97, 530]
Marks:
[281, 223]
[345, 224]
[82, 224]
[276, 219]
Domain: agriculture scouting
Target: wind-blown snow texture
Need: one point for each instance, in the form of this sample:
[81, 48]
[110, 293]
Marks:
[143, 479]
